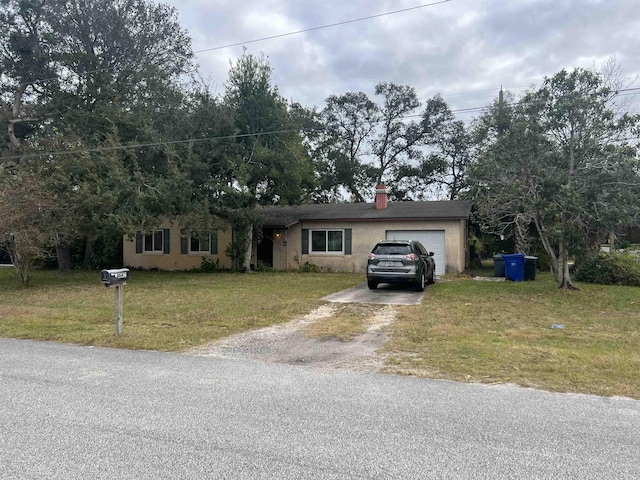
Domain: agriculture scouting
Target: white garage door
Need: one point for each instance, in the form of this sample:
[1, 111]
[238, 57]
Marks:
[433, 240]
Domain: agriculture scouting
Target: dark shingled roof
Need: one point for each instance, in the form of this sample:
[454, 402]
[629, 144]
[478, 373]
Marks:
[285, 216]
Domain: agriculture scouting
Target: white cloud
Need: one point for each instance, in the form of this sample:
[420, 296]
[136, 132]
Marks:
[465, 49]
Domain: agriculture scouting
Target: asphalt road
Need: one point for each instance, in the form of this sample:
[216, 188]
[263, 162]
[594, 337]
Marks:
[81, 413]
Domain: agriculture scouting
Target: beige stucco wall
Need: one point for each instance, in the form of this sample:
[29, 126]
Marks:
[287, 248]
[174, 260]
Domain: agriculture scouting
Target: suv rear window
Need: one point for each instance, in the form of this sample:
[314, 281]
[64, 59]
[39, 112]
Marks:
[392, 249]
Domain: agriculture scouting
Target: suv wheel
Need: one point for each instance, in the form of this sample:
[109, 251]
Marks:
[421, 283]
[372, 284]
[432, 278]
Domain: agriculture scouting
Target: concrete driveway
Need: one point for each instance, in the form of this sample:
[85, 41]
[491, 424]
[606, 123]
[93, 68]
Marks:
[385, 294]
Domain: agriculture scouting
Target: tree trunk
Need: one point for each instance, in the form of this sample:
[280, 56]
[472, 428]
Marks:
[523, 240]
[559, 261]
[16, 109]
[546, 243]
[563, 277]
[89, 248]
[246, 265]
[22, 264]
[64, 258]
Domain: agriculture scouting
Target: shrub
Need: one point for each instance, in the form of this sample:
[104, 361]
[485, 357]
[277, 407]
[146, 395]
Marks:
[309, 267]
[209, 266]
[262, 267]
[615, 268]
[544, 262]
[235, 251]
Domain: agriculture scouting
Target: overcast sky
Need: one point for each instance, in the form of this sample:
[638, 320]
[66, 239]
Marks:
[463, 49]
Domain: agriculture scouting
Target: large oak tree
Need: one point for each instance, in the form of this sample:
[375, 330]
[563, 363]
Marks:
[91, 77]
[364, 143]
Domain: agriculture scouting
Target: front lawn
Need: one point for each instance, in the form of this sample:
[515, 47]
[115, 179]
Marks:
[167, 311]
[467, 330]
[528, 333]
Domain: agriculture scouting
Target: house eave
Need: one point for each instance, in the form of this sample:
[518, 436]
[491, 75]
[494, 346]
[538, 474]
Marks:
[286, 217]
[382, 219]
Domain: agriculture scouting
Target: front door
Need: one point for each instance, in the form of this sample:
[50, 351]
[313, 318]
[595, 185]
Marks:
[265, 248]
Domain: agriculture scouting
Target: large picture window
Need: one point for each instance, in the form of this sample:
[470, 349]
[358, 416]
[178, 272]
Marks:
[320, 241]
[154, 241]
[327, 241]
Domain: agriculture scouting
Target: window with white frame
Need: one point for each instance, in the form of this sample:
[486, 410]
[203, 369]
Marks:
[154, 241]
[327, 241]
[199, 242]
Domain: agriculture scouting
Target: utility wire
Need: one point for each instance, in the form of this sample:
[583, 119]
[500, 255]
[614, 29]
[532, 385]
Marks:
[287, 34]
[621, 92]
[152, 144]
[345, 22]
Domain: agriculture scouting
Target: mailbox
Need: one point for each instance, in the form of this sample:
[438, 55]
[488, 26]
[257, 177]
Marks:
[118, 276]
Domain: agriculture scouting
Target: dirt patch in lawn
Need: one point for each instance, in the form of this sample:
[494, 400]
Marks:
[291, 343]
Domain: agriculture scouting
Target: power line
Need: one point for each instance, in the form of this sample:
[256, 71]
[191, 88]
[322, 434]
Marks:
[287, 34]
[616, 93]
[621, 92]
[345, 22]
[236, 136]
[150, 144]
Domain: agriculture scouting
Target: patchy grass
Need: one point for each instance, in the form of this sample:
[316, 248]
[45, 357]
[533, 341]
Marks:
[490, 332]
[464, 329]
[347, 322]
[167, 311]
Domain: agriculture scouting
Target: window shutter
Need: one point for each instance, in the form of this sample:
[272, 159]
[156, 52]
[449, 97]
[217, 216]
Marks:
[214, 242]
[183, 246]
[165, 242]
[347, 241]
[305, 241]
[139, 238]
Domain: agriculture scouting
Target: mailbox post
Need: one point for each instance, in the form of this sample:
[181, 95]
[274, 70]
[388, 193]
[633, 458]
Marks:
[116, 278]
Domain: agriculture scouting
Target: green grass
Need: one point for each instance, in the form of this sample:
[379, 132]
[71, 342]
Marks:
[464, 329]
[502, 332]
[165, 311]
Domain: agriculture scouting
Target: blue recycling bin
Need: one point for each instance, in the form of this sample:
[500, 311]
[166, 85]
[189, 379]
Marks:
[514, 266]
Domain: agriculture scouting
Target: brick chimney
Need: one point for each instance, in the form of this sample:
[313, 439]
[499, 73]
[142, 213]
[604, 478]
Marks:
[381, 197]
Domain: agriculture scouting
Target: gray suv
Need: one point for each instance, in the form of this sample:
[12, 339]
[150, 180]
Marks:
[400, 261]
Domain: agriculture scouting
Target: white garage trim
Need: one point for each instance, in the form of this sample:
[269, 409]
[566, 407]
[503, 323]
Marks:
[433, 240]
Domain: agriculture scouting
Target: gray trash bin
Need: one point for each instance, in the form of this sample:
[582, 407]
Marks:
[498, 266]
[530, 265]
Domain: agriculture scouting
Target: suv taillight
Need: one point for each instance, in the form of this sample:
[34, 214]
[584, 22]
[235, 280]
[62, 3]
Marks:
[371, 256]
[411, 256]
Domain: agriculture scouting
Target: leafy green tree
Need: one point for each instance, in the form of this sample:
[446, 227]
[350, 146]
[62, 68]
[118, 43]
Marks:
[25, 58]
[350, 121]
[450, 156]
[268, 163]
[25, 220]
[560, 160]
[365, 143]
[91, 76]
[327, 164]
